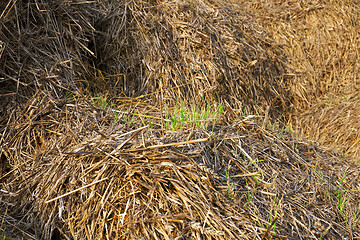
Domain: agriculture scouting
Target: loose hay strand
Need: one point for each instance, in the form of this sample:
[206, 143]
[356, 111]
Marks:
[69, 193]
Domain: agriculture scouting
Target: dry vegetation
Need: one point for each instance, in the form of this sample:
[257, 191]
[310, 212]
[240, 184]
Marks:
[165, 120]
[322, 46]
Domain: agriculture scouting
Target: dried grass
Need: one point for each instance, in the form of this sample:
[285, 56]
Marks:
[187, 50]
[321, 42]
[89, 178]
[73, 169]
[334, 123]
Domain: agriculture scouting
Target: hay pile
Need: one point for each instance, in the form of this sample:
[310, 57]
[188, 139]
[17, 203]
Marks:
[335, 124]
[321, 42]
[73, 167]
[86, 177]
[188, 50]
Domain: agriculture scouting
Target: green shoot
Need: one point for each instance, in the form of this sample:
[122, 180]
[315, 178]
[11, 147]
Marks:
[317, 168]
[341, 195]
[249, 196]
[274, 213]
[193, 116]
